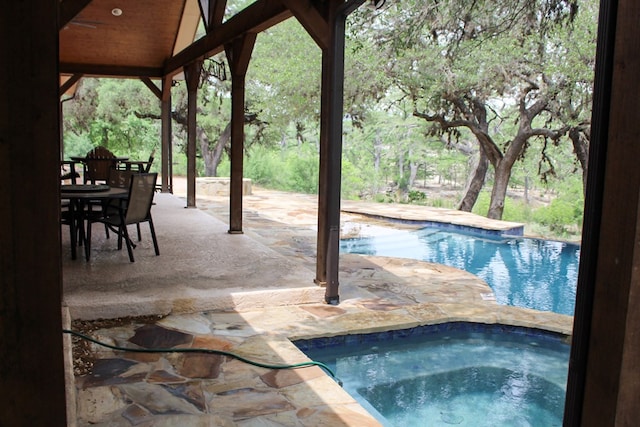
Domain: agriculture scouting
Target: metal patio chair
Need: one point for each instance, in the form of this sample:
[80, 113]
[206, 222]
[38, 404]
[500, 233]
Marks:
[136, 211]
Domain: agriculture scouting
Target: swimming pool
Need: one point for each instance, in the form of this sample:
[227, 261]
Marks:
[523, 272]
[461, 374]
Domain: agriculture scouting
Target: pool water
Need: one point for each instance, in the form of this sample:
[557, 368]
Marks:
[456, 374]
[523, 272]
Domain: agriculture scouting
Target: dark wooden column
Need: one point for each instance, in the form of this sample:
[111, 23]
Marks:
[167, 151]
[328, 241]
[192, 78]
[325, 23]
[238, 55]
[164, 96]
[32, 387]
[604, 376]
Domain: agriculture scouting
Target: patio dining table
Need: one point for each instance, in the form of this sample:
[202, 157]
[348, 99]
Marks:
[79, 197]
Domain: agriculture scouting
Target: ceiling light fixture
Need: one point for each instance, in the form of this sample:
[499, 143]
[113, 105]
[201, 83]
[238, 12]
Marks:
[116, 11]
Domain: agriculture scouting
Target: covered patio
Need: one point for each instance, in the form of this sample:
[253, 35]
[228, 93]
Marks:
[604, 376]
[201, 267]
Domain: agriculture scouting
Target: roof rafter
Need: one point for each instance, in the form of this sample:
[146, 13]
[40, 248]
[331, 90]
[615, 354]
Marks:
[311, 19]
[256, 18]
[215, 14]
[69, 9]
[111, 71]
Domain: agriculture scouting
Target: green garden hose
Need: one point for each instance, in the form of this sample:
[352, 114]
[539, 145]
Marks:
[207, 351]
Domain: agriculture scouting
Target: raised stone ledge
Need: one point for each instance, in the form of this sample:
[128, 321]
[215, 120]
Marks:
[219, 186]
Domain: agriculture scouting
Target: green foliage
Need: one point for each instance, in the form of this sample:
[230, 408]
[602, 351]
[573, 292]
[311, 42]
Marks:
[302, 170]
[76, 145]
[283, 81]
[106, 113]
[290, 170]
[354, 184]
[514, 210]
[482, 204]
[417, 197]
[565, 211]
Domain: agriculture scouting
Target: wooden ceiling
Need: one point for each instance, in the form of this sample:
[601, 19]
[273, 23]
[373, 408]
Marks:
[127, 37]
[151, 38]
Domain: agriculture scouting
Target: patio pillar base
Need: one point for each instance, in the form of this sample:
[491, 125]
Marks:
[335, 300]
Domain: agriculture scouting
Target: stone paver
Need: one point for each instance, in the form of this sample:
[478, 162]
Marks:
[197, 389]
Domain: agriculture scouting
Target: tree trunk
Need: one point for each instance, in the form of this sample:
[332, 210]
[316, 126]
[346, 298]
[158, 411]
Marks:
[212, 157]
[499, 190]
[413, 171]
[581, 149]
[476, 182]
[377, 152]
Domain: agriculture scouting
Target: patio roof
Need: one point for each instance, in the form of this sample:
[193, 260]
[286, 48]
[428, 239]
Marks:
[112, 37]
[143, 37]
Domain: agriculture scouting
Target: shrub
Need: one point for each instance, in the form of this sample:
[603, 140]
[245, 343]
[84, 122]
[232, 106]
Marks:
[417, 197]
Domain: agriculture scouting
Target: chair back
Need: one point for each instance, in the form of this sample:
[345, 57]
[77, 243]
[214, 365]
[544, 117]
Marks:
[147, 166]
[119, 178]
[97, 164]
[140, 197]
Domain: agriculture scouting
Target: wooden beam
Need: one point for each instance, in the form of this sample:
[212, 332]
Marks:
[312, 20]
[104, 70]
[152, 86]
[68, 9]
[256, 18]
[70, 82]
[239, 54]
[216, 13]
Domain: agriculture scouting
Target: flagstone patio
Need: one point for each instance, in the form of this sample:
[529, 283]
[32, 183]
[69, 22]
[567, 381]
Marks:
[248, 295]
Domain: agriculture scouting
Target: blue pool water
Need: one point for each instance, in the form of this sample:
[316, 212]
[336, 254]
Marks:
[523, 272]
[454, 374]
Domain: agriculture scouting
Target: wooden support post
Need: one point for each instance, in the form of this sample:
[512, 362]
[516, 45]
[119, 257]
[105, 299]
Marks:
[238, 55]
[192, 76]
[604, 373]
[328, 242]
[32, 381]
[166, 167]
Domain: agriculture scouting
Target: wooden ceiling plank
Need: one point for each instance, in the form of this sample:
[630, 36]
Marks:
[256, 18]
[152, 86]
[311, 19]
[69, 9]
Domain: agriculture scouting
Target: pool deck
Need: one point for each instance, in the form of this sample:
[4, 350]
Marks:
[250, 295]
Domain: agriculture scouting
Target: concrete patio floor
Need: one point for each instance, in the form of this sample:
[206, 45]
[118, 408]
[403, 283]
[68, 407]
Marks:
[248, 294]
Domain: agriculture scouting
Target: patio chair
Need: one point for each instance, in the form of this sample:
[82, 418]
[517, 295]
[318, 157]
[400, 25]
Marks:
[73, 220]
[97, 164]
[143, 166]
[118, 178]
[136, 211]
[68, 174]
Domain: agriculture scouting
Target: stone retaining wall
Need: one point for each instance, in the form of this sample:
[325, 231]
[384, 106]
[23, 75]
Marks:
[220, 186]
